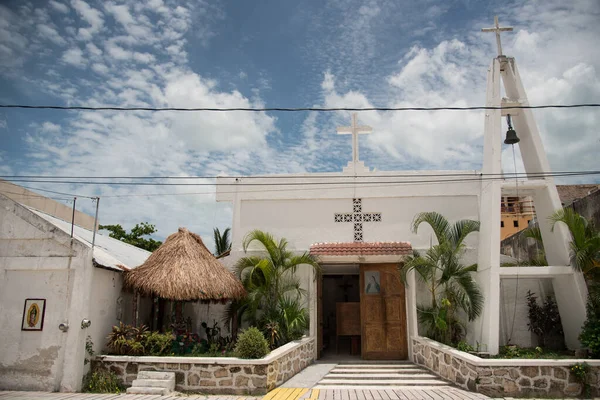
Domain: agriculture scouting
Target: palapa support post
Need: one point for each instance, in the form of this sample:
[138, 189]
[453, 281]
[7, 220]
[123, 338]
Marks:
[136, 314]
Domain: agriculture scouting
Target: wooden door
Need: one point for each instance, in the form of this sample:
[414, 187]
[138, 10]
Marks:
[319, 315]
[383, 311]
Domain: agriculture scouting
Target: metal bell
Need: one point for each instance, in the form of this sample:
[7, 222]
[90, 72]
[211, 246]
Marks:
[511, 137]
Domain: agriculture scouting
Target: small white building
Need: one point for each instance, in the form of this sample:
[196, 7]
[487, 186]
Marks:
[57, 291]
[358, 222]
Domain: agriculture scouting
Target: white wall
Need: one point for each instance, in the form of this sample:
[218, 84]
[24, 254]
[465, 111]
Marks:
[104, 310]
[39, 261]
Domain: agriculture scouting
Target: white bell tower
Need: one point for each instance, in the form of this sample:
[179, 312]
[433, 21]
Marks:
[569, 286]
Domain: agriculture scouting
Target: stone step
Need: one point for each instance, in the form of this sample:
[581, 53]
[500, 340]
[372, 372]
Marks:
[159, 383]
[156, 375]
[376, 365]
[381, 376]
[399, 387]
[382, 382]
[379, 371]
[148, 390]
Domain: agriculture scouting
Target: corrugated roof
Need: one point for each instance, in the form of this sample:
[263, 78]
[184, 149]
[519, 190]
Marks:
[108, 252]
[361, 249]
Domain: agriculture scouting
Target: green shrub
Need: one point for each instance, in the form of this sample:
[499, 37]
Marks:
[102, 381]
[251, 344]
[158, 344]
[590, 333]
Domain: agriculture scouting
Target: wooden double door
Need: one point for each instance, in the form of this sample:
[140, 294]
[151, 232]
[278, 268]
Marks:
[383, 313]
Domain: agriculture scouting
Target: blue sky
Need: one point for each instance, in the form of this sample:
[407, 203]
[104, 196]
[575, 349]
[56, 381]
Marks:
[329, 53]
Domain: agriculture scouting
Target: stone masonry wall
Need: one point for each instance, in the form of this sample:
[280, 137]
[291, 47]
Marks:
[498, 378]
[218, 375]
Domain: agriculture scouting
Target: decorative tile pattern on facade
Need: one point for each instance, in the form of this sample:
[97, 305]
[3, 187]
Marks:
[358, 217]
[361, 249]
[219, 375]
[503, 378]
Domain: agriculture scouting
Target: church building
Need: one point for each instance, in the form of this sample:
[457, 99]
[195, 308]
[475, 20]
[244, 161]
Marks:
[358, 223]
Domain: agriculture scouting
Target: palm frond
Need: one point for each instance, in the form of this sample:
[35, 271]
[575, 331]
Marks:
[437, 221]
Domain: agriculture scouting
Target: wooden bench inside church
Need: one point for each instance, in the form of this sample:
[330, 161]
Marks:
[348, 324]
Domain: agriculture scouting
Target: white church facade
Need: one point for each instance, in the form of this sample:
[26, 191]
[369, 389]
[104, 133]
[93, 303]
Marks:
[358, 222]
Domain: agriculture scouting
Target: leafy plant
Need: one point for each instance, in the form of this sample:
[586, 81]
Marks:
[102, 381]
[222, 241]
[158, 344]
[272, 331]
[544, 321]
[252, 344]
[580, 372]
[449, 282]
[590, 332]
[127, 340]
[135, 237]
[89, 349]
[464, 346]
[274, 291]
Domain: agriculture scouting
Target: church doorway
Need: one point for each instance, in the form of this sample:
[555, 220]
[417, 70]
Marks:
[340, 303]
[361, 313]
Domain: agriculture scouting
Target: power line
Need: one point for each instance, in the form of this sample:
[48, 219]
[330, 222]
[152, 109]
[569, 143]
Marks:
[288, 109]
[313, 176]
[476, 177]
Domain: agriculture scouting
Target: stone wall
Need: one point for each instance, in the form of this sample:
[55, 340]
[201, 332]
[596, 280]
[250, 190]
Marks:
[503, 377]
[219, 375]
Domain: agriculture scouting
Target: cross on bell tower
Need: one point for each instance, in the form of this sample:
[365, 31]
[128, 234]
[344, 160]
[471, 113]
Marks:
[497, 29]
[354, 130]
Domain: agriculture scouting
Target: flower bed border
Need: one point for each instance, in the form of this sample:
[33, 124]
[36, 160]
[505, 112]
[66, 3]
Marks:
[218, 375]
[504, 377]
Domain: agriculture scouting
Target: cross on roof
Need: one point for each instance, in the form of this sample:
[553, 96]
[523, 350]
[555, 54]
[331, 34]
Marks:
[498, 29]
[354, 129]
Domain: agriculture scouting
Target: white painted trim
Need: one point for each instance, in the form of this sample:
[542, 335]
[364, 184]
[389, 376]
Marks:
[511, 362]
[535, 272]
[269, 358]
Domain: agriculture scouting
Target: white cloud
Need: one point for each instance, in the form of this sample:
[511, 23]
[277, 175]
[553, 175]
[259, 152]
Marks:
[50, 33]
[74, 56]
[50, 127]
[60, 7]
[91, 15]
[117, 52]
[93, 49]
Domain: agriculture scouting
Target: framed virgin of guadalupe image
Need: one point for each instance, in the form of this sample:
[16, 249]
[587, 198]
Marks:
[33, 315]
[372, 282]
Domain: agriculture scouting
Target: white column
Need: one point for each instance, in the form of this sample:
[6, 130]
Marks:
[487, 327]
[570, 290]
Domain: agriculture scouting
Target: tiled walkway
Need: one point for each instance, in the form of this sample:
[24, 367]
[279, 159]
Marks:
[94, 396]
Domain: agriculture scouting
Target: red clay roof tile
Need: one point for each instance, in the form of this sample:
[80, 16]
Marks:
[361, 248]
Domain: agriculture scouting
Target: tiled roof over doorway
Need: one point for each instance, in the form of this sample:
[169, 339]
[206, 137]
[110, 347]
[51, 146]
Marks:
[361, 249]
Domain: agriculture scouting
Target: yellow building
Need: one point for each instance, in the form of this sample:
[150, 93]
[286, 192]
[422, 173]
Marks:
[516, 213]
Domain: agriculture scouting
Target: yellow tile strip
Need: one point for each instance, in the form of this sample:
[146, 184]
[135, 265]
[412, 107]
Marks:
[288, 394]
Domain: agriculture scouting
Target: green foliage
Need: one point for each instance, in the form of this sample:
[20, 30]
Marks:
[135, 237]
[464, 346]
[585, 243]
[274, 291]
[581, 371]
[89, 349]
[222, 241]
[590, 333]
[251, 344]
[102, 381]
[158, 344]
[545, 321]
[513, 351]
[127, 340]
[449, 282]
[272, 333]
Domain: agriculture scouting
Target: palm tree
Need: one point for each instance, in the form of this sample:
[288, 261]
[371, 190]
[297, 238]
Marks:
[449, 282]
[222, 241]
[585, 243]
[274, 291]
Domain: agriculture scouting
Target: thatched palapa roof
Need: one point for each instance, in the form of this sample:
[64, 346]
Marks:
[182, 268]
